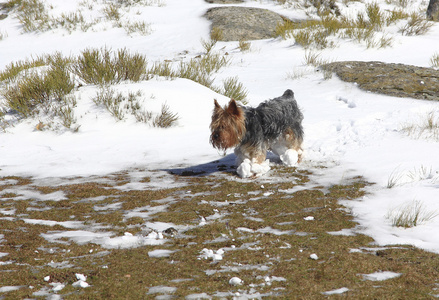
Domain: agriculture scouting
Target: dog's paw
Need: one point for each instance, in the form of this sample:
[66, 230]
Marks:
[252, 169]
[290, 157]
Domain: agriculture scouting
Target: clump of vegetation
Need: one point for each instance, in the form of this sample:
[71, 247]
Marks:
[104, 67]
[434, 61]
[428, 127]
[119, 105]
[165, 118]
[235, 90]
[43, 84]
[416, 25]
[410, 215]
[244, 45]
[365, 28]
[41, 89]
[34, 15]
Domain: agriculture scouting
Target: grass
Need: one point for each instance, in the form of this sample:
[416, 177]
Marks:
[427, 127]
[44, 85]
[103, 66]
[434, 61]
[416, 25]
[228, 205]
[410, 215]
[35, 15]
[40, 90]
[119, 105]
[367, 28]
[235, 90]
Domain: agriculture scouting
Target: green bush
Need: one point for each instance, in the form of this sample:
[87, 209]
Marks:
[103, 67]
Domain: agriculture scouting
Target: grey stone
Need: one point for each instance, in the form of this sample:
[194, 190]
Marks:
[397, 80]
[225, 1]
[244, 23]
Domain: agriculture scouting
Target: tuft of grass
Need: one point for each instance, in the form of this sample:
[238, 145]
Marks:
[234, 89]
[244, 45]
[140, 27]
[376, 18]
[33, 15]
[216, 34]
[394, 179]
[416, 25]
[410, 215]
[166, 118]
[104, 67]
[362, 28]
[119, 105]
[314, 59]
[111, 12]
[112, 102]
[40, 90]
[434, 61]
[208, 45]
[428, 127]
[163, 69]
[13, 69]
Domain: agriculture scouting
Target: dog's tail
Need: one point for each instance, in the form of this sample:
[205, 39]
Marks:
[288, 94]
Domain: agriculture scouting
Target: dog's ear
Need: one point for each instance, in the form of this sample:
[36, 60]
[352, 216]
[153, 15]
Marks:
[217, 106]
[233, 108]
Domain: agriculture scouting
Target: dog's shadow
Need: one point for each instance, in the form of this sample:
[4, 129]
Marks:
[225, 165]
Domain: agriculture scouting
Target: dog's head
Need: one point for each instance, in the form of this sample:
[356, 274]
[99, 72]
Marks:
[227, 126]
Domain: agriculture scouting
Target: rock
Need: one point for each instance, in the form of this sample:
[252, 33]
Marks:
[397, 80]
[244, 23]
[225, 1]
[433, 10]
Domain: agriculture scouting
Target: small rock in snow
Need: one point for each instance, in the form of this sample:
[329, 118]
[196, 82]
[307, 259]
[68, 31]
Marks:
[57, 286]
[81, 277]
[337, 291]
[235, 281]
[314, 256]
[81, 283]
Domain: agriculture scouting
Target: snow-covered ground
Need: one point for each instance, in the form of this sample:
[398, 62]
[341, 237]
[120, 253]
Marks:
[350, 131]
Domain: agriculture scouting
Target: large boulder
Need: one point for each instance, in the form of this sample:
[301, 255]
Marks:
[244, 23]
[397, 80]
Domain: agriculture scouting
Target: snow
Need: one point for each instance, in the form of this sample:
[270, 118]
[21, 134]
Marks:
[348, 131]
[380, 276]
[235, 281]
[314, 256]
[337, 291]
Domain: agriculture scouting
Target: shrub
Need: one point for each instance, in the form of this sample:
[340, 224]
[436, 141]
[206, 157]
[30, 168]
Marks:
[416, 25]
[102, 67]
[434, 61]
[234, 89]
[410, 215]
[39, 90]
[166, 118]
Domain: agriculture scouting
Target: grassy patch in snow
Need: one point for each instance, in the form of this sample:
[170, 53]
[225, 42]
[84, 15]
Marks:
[263, 226]
[43, 88]
[367, 27]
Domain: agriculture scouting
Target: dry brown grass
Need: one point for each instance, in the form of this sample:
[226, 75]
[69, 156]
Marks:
[251, 254]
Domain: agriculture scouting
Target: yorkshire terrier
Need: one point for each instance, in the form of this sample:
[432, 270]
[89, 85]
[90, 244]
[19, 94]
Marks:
[274, 125]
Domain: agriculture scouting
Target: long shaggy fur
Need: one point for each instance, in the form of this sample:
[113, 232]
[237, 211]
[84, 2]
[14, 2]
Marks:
[274, 125]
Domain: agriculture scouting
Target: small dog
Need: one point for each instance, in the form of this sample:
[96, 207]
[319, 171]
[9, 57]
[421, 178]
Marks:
[274, 125]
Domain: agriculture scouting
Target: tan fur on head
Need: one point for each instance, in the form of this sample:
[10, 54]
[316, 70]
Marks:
[228, 125]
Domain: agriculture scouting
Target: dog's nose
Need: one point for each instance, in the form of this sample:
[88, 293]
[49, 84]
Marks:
[215, 136]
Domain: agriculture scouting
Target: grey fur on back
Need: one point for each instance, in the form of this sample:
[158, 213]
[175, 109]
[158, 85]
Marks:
[272, 118]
